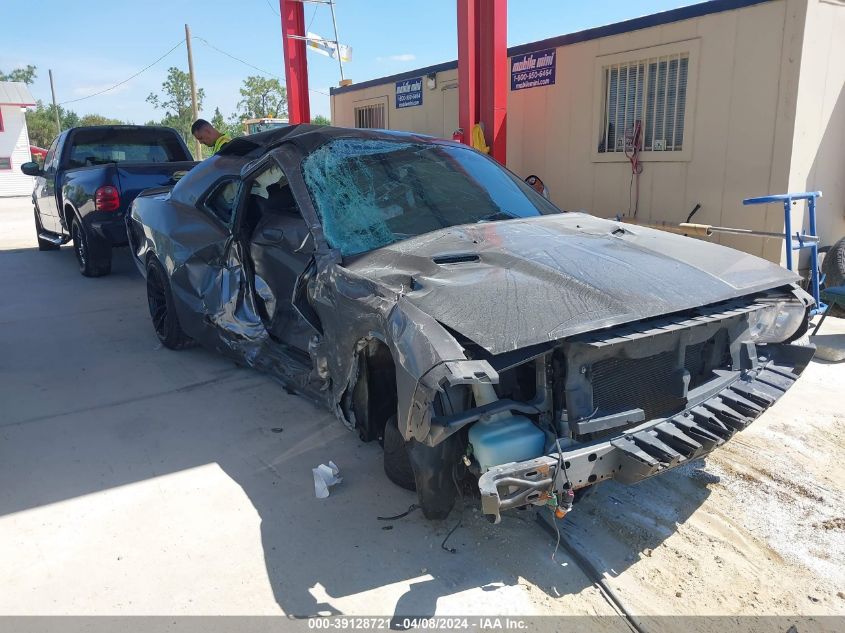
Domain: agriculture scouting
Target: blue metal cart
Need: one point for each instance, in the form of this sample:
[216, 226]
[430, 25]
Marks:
[804, 240]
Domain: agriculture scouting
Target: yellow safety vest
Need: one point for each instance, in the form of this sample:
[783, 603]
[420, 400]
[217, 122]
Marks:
[220, 142]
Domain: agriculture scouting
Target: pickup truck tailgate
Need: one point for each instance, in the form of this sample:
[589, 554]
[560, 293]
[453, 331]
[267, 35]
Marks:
[135, 177]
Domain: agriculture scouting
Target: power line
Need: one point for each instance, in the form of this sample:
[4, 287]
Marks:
[313, 15]
[178, 44]
[238, 59]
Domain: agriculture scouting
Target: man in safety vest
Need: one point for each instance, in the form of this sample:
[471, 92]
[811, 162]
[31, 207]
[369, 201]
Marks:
[209, 135]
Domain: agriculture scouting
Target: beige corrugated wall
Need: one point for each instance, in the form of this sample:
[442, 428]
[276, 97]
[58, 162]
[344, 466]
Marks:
[818, 156]
[437, 116]
[736, 75]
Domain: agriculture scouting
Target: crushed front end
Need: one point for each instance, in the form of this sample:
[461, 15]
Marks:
[630, 402]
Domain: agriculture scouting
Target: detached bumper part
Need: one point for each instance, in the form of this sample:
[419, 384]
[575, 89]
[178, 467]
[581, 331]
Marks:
[651, 448]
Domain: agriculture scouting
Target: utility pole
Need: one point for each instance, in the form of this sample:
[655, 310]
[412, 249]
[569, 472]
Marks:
[197, 146]
[336, 41]
[55, 107]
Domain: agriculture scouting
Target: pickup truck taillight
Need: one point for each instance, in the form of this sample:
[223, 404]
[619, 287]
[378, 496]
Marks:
[106, 199]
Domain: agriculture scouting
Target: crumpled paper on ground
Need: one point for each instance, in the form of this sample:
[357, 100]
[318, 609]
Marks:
[325, 476]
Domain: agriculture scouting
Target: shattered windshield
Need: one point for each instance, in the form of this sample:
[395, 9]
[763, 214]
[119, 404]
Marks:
[371, 193]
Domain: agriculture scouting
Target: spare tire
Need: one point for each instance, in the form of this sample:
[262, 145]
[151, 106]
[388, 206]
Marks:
[833, 268]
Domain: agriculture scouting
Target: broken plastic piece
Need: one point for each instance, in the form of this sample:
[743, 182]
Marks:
[324, 477]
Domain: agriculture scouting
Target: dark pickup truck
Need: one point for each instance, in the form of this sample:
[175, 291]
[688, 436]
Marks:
[89, 179]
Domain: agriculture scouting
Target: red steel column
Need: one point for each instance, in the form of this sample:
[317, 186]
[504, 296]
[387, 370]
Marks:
[467, 67]
[493, 74]
[483, 71]
[296, 64]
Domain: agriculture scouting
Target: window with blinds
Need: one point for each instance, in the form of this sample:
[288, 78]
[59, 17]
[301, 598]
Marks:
[650, 92]
[371, 116]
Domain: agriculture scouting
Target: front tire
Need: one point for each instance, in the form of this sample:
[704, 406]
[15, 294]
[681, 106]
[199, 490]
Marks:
[427, 469]
[397, 465]
[434, 475]
[433, 467]
[162, 310]
[92, 255]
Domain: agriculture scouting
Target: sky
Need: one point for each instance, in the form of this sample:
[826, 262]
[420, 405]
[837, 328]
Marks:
[96, 44]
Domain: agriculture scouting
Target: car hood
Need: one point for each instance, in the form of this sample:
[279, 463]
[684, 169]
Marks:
[510, 284]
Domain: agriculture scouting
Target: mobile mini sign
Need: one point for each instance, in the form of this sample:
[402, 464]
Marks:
[409, 92]
[533, 69]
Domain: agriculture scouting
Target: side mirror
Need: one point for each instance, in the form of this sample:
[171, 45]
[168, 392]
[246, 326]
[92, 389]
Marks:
[537, 185]
[32, 169]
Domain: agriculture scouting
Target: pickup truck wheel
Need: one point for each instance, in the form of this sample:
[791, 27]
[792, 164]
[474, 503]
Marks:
[162, 311]
[94, 257]
[43, 245]
[397, 465]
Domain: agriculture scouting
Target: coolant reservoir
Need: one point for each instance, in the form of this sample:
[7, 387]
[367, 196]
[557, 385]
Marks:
[503, 437]
[510, 438]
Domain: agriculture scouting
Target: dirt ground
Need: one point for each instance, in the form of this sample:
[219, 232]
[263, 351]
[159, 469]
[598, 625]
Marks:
[135, 480]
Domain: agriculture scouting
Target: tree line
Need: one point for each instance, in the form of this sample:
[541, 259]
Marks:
[260, 97]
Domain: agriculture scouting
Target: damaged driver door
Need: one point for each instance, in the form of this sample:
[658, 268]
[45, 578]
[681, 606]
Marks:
[211, 280]
[280, 248]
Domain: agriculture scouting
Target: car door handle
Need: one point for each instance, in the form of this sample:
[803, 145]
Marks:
[273, 235]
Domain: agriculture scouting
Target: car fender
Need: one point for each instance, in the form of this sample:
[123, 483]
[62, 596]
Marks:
[426, 356]
[68, 213]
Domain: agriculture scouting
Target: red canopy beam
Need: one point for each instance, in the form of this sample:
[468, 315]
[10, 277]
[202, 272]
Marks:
[468, 114]
[493, 74]
[483, 71]
[296, 64]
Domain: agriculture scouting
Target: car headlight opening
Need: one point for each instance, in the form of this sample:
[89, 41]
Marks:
[777, 322]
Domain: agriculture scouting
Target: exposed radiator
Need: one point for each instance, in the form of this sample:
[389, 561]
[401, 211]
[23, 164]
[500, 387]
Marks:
[620, 384]
[611, 374]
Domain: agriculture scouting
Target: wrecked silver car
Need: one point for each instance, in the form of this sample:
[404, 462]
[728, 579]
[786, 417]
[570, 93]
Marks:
[440, 306]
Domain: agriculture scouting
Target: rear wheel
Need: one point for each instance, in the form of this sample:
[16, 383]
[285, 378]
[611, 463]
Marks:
[43, 245]
[162, 311]
[92, 254]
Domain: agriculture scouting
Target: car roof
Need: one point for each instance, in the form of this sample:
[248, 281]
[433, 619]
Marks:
[229, 161]
[309, 137]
